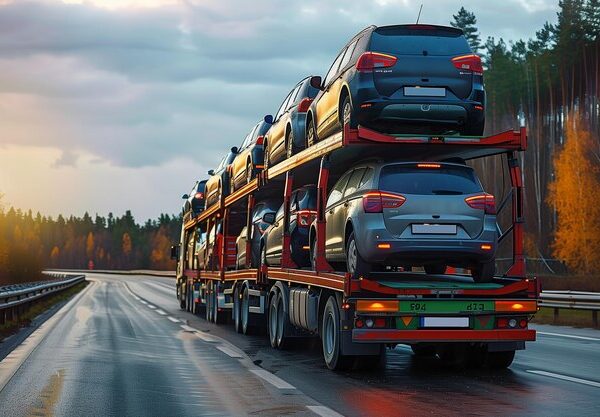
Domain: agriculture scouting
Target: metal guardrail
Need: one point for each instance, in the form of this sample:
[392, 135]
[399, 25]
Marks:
[574, 300]
[15, 299]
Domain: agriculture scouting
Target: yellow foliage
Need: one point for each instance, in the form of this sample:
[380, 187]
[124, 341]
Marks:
[89, 246]
[573, 193]
[127, 246]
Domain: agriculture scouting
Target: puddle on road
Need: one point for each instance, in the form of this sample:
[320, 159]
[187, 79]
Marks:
[49, 396]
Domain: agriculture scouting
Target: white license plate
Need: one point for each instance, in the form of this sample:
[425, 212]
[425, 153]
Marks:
[425, 91]
[434, 229]
[444, 322]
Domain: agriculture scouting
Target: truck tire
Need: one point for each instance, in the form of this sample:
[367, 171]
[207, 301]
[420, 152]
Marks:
[181, 298]
[273, 321]
[500, 360]
[355, 264]
[245, 312]
[237, 316]
[484, 272]
[209, 310]
[282, 323]
[331, 338]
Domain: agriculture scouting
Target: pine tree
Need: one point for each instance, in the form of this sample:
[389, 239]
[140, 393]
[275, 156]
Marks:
[591, 14]
[466, 21]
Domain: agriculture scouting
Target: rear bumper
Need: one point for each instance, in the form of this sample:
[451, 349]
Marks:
[446, 335]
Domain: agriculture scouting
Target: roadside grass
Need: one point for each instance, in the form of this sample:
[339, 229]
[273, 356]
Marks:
[12, 326]
[566, 317]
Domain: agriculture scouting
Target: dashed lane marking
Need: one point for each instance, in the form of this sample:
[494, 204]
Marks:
[206, 337]
[143, 302]
[323, 411]
[151, 306]
[272, 379]
[188, 328]
[566, 378]
[162, 313]
[570, 336]
[229, 352]
[173, 319]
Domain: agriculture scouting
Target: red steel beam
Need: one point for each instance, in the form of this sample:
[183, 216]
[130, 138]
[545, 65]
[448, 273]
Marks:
[441, 335]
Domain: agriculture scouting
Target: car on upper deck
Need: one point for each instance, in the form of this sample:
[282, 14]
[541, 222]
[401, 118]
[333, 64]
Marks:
[218, 182]
[250, 157]
[413, 79]
[194, 201]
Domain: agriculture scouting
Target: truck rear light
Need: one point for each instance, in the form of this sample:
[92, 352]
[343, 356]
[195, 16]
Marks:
[384, 246]
[377, 306]
[376, 201]
[380, 322]
[484, 201]
[469, 62]
[502, 322]
[368, 61]
[358, 323]
[304, 105]
[523, 323]
[516, 306]
[260, 140]
[485, 246]
[304, 218]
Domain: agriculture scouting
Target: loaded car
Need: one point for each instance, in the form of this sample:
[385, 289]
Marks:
[286, 135]
[263, 215]
[218, 183]
[401, 79]
[211, 246]
[303, 204]
[194, 201]
[409, 214]
[250, 157]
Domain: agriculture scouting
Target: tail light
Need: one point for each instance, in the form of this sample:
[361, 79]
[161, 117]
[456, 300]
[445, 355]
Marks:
[304, 218]
[198, 196]
[376, 201]
[469, 62]
[429, 165]
[368, 61]
[304, 105]
[260, 140]
[485, 202]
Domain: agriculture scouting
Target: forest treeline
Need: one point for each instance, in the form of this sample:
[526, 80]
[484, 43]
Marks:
[551, 83]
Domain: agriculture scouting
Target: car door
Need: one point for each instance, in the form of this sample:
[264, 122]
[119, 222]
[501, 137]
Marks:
[276, 133]
[327, 102]
[342, 214]
[240, 244]
[332, 233]
[239, 163]
[275, 238]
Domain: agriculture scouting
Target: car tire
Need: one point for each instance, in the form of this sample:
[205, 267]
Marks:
[249, 173]
[355, 264]
[331, 336]
[484, 272]
[289, 144]
[267, 157]
[263, 256]
[347, 113]
[311, 133]
[434, 269]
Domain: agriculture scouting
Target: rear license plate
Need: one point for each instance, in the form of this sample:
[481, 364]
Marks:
[444, 322]
[446, 307]
[425, 91]
[434, 229]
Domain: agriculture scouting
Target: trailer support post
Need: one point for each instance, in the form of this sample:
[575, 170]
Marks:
[249, 230]
[223, 244]
[321, 264]
[286, 252]
[516, 178]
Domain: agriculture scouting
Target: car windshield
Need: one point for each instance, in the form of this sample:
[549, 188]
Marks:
[407, 41]
[446, 180]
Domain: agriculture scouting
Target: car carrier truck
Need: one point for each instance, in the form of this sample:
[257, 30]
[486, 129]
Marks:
[447, 315]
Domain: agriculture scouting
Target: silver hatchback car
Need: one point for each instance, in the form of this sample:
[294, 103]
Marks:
[410, 214]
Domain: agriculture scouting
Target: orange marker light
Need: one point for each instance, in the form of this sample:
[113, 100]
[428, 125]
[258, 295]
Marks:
[486, 247]
[377, 306]
[429, 166]
[516, 306]
[383, 246]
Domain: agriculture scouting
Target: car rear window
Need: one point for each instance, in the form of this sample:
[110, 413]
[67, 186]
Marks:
[407, 41]
[447, 180]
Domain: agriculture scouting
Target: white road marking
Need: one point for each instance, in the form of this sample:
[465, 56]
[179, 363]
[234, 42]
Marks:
[151, 306]
[323, 411]
[206, 337]
[143, 302]
[272, 379]
[570, 336]
[229, 352]
[187, 328]
[173, 319]
[566, 378]
[162, 313]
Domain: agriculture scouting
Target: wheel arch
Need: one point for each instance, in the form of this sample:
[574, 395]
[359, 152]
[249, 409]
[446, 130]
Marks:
[344, 92]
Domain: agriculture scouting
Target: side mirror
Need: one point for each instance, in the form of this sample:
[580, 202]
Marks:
[316, 82]
[185, 196]
[268, 218]
[175, 252]
[234, 149]
[211, 172]
[269, 119]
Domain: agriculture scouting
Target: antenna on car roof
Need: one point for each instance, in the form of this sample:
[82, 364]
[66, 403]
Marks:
[419, 15]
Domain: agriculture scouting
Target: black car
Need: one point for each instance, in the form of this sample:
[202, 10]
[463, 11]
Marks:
[398, 79]
[303, 210]
[194, 201]
[262, 210]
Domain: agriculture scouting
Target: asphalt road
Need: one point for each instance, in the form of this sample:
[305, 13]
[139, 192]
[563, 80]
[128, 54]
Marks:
[124, 348]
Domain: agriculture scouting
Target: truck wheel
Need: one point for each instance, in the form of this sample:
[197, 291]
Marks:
[273, 321]
[281, 323]
[237, 319]
[484, 272]
[434, 269]
[181, 299]
[331, 338]
[209, 310]
[355, 264]
[245, 312]
[500, 360]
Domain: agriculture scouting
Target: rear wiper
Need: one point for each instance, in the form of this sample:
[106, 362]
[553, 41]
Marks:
[446, 192]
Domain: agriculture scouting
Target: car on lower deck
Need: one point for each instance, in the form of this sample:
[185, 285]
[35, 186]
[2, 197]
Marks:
[303, 205]
[413, 79]
[263, 215]
[286, 135]
[411, 214]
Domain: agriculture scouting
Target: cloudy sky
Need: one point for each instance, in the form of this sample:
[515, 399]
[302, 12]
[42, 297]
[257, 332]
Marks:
[108, 105]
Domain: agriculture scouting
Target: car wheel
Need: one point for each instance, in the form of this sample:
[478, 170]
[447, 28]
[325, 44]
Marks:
[267, 157]
[263, 256]
[434, 269]
[313, 254]
[249, 173]
[311, 133]
[331, 338]
[289, 144]
[347, 118]
[355, 265]
[484, 272]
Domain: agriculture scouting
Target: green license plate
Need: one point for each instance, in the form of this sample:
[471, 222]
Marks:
[446, 306]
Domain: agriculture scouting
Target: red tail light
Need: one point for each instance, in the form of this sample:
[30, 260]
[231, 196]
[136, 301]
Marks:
[484, 201]
[304, 105]
[260, 140]
[199, 195]
[368, 61]
[376, 201]
[304, 218]
[469, 62]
